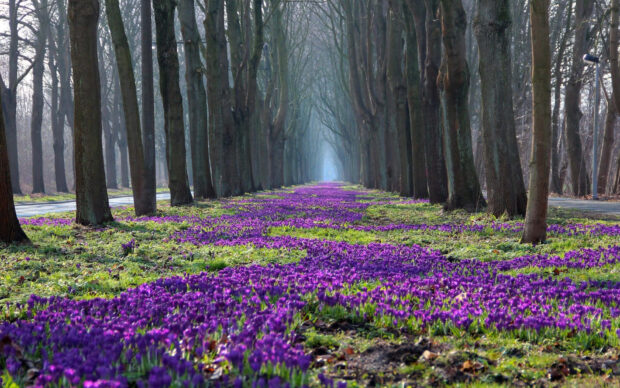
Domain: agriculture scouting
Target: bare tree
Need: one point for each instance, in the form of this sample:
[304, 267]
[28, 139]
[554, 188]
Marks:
[576, 160]
[91, 194]
[10, 230]
[144, 203]
[148, 98]
[168, 60]
[536, 215]
[197, 102]
[505, 186]
[463, 186]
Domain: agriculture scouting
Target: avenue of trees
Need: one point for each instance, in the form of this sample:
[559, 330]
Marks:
[472, 104]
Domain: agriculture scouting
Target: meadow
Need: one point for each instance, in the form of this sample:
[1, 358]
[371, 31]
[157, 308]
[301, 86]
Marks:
[318, 285]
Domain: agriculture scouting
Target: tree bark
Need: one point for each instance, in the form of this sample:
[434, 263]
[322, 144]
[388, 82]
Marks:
[417, 134]
[222, 141]
[608, 145]
[463, 186]
[505, 186]
[38, 184]
[9, 97]
[148, 101]
[57, 116]
[144, 203]
[399, 88]
[576, 160]
[10, 230]
[197, 102]
[556, 177]
[168, 60]
[91, 195]
[536, 215]
[431, 105]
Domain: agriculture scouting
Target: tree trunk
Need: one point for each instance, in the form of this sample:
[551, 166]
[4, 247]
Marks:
[431, 105]
[64, 71]
[608, 145]
[398, 96]
[576, 160]
[10, 97]
[57, 118]
[144, 203]
[505, 187]
[38, 184]
[110, 129]
[10, 230]
[109, 154]
[222, 136]
[418, 138]
[168, 60]
[536, 216]
[91, 195]
[148, 101]
[463, 186]
[556, 178]
[197, 102]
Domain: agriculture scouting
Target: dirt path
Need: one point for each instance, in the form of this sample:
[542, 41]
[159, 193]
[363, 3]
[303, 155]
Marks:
[611, 208]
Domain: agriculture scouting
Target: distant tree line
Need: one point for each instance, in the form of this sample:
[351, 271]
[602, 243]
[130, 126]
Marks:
[470, 103]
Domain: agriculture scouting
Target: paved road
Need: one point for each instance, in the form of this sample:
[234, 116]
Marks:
[604, 207]
[39, 209]
[30, 210]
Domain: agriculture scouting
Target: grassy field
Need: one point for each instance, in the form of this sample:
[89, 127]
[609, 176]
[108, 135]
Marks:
[357, 346]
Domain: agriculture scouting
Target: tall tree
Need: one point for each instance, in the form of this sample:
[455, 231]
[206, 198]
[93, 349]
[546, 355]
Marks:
[505, 186]
[148, 98]
[398, 97]
[65, 103]
[10, 230]
[144, 203]
[91, 194]
[576, 160]
[608, 144]
[197, 102]
[168, 59]
[42, 13]
[56, 115]
[536, 214]
[9, 95]
[222, 134]
[558, 74]
[463, 186]
[429, 42]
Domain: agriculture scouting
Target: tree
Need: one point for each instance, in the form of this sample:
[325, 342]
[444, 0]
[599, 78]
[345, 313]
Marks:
[10, 230]
[91, 194]
[505, 187]
[576, 160]
[222, 136]
[57, 115]
[9, 94]
[41, 10]
[144, 203]
[148, 99]
[608, 142]
[463, 186]
[429, 43]
[197, 102]
[398, 89]
[536, 215]
[556, 178]
[168, 60]
[418, 138]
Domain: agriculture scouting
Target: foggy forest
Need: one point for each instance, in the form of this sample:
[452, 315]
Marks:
[309, 193]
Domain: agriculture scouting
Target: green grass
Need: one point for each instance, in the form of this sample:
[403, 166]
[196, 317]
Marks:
[81, 263]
